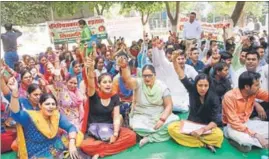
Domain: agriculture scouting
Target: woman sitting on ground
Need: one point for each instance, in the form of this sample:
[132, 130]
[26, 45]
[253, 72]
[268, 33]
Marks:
[204, 109]
[69, 97]
[106, 136]
[125, 94]
[37, 130]
[152, 107]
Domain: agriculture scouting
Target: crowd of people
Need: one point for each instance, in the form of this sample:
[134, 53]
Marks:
[97, 100]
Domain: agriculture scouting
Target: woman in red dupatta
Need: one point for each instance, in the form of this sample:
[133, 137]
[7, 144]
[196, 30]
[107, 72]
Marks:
[103, 108]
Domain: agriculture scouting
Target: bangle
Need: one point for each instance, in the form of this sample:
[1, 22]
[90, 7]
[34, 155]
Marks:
[162, 119]
[116, 134]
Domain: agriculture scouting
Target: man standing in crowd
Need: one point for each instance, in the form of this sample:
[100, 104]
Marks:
[9, 40]
[192, 30]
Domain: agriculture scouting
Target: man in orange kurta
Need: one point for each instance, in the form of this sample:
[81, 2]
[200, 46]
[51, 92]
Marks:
[237, 107]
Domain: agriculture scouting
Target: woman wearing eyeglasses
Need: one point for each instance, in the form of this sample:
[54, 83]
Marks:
[37, 131]
[26, 80]
[152, 107]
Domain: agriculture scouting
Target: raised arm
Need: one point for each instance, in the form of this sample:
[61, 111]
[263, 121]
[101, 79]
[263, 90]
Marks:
[178, 69]
[14, 102]
[126, 74]
[17, 32]
[180, 72]
[89, 66]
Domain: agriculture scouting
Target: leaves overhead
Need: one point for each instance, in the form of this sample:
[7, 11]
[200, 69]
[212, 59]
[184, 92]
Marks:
[22, 13]
[144, 8]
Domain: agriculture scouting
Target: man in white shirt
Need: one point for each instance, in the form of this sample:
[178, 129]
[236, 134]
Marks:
[252, 64]
[165, 72]
[192, 30]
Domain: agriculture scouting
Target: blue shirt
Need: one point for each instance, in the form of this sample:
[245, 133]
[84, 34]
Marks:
[198, 67]
[36, 143]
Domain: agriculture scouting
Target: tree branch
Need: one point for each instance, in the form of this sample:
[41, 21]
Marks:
[103, 8]
[177, 10]
[237, 12]
[97, 9]
[168, 11]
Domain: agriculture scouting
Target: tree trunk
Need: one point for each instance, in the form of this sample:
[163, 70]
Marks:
[237, 11]
[97, 9]
[174, 28]
[173, 20]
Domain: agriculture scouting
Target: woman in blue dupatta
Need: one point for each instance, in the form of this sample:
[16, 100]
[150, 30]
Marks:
[75, 70]
[37, 131]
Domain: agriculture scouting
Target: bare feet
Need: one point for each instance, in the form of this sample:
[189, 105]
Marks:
[95, 156]
[144, 141]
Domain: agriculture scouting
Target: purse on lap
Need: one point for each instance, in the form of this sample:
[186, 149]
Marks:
[101, 131]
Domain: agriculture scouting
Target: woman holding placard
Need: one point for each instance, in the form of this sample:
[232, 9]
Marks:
[200, 130]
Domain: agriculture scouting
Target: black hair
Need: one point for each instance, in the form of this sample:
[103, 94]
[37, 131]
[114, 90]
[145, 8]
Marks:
[203, 42]
[97, 60]
[122, 54]
[169, 51]
[149, 67]
[24, 71]
[229, 46]
[247, 78]
[193, 13]
[193, 49]
[258, 47]
[212, 41]
[245, 50]
[264, 45]
[102, 76]
[46, 96]
[253, 52]
[8, 26]
[209, 52]
[225, 55]
[201, 76]
[251, 38]
[82, 22]
[32, 87]
[133, 63]
[74, 63]
[219, 67]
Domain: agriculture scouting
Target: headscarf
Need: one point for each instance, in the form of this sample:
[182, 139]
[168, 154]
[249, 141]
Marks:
[42, 67]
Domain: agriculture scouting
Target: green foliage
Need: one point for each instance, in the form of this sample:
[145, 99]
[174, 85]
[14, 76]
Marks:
[101, 6]
[22, 13]
[144, 8]
[226, 8]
